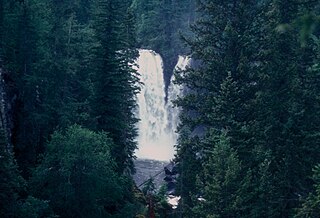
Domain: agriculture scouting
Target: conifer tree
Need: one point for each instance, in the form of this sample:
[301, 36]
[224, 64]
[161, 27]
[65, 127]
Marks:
[116, 82]
[281, 125]
[11, 183]
[256, 97]
[54, 86]
[220, 182]
[311, 205]
[189, 167]
[222, 87]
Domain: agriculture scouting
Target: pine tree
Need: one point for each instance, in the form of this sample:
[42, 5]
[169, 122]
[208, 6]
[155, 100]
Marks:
[281, 122]
[116, 82]
[221, 89]
[189, 167]
[220, 182]
[1, 29]
[15, 201]
[256, 97]
[55, 86]
[311, 206]
[11, 183]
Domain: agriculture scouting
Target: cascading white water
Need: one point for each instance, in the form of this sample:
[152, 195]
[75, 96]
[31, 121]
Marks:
[175, 90]
[158, 120]
[153, 141]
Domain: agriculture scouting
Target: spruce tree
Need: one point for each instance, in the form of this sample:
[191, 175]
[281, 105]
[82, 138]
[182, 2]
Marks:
[116, 82]
[311, 205]
[189, 167]
[221, 89]
[220, 182]
[55, 84]
[281, 122]
[11, 183]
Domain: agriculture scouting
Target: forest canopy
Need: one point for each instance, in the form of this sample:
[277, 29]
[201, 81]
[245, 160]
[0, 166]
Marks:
[249, 132]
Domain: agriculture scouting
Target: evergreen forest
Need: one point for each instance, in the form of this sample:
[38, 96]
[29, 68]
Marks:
[249, 132]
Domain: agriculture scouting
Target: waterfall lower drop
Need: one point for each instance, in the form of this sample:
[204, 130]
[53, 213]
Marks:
[158, 120]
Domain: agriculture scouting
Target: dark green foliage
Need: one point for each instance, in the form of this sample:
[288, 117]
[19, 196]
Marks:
[256, 83]
[220, 182]
[77, 175]
[115, 82]
[13, 186]
[286, 117]
[189, 167]
[1, 29]
[162, 207]
[222, 87]
[34, 208]
[48, 52]
[311, 206]
[158, 198]
[249, 133]
[68, 67]
[65, 60]
[159, 25]
[11, 183]
[149, 187]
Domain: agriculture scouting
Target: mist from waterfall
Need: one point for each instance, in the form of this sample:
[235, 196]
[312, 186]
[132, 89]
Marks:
[158, 120]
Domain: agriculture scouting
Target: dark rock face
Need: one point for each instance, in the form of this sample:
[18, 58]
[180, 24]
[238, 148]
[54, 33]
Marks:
[149, 168]
[8, 98]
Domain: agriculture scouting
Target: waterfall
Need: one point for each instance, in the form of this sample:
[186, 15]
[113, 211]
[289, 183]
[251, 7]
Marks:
[174, 91]
[158, 120]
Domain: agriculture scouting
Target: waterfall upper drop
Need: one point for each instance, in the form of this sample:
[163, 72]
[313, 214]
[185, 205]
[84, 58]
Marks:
[158, 120]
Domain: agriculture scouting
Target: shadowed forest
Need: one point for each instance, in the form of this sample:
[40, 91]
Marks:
[249, 131]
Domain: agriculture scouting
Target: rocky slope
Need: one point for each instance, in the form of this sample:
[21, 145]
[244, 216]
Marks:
[149, 168]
